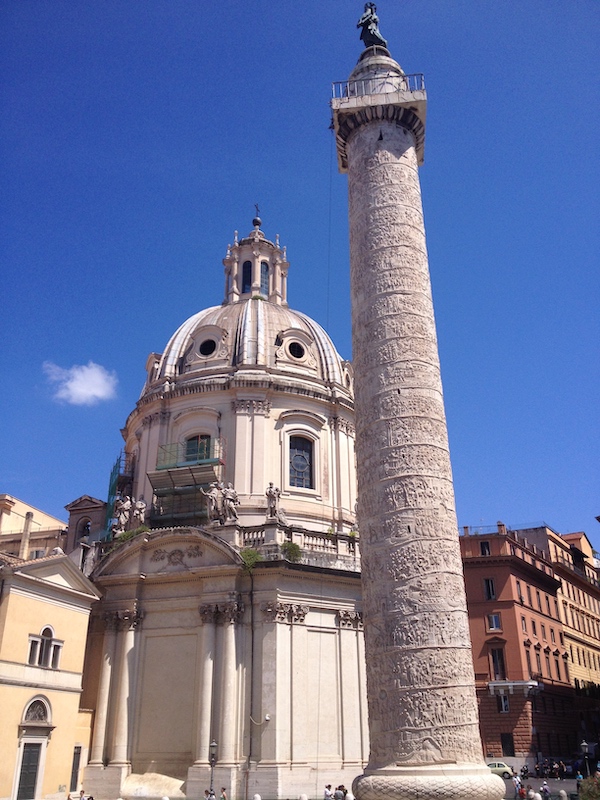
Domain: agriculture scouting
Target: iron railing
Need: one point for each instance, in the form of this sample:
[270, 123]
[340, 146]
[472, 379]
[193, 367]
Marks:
[179, 454]
[380, 84]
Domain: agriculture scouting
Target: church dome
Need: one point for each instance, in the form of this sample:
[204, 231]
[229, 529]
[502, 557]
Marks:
[254, 330]
[247, 395]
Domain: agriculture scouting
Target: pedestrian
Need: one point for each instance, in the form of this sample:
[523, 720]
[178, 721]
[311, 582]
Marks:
[579, 779]
[223, 795]
[517, 784]
[328, 794]
[338, 794]
[545, 790]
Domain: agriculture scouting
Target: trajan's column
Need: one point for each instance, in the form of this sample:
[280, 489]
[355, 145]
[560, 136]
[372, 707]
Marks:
[423, 721]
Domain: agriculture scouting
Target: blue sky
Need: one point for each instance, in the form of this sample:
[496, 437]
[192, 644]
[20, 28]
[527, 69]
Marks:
[136, 138]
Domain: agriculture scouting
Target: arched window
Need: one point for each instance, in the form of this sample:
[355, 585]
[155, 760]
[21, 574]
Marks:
[37, 711]
[197, 448]
[246, 277]
[264, 278]
[301, 462]
[83, 528]
[44, 650]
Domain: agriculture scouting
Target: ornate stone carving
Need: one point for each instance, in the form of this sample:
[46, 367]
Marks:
[126, 619]
[229, 613]
[285, 612]
[252, 407]
[421, 695]
[176, 556]
[351, 620]
[208, 613]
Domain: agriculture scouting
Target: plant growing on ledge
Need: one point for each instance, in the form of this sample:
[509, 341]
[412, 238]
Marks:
[291, 552]
[250, 557]
[127, 535]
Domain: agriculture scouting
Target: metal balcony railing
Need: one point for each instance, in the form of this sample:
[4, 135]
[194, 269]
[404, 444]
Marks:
[380, 84]
[180, 454]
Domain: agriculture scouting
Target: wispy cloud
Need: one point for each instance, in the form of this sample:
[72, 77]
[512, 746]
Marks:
[82, 384]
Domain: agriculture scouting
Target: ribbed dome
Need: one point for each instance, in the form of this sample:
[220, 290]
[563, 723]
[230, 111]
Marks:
[250, 334]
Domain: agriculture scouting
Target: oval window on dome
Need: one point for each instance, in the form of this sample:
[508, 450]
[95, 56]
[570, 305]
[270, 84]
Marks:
[208, 347]
[296, 350]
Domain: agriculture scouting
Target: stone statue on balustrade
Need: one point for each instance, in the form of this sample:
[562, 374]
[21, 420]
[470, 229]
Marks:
[214, 502]
[122, 515]
[230, 501]
[274, 512]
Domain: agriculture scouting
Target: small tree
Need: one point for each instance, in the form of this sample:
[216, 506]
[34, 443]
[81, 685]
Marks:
[250, 557]
[291, 552]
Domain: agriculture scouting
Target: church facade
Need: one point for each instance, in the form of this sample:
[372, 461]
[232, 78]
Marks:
[230, 625]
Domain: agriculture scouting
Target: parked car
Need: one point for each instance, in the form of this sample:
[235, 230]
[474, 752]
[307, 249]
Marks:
[502, 769]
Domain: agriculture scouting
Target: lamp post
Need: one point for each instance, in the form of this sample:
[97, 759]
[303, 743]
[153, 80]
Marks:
[212, 749]
[584, 749]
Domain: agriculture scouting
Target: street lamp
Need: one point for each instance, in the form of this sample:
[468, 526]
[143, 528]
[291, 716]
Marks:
[212, 749]
[584, 749]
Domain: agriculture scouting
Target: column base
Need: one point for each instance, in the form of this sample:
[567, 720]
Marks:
[430, 782]
[105, 783]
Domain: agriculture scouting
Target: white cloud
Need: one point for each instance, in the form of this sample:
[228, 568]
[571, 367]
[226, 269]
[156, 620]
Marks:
[82, 385]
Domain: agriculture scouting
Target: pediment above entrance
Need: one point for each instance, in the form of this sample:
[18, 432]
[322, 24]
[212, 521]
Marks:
[168, 550]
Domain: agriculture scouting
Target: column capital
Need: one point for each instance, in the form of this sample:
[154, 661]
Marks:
[229, 613]
[285, 612]
[208, 613]
[351, 620]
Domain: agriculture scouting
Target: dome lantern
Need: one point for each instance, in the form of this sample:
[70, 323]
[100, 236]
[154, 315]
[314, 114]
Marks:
[256, 267]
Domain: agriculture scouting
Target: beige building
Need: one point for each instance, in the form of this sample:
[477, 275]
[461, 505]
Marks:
[241, 447]
[27, 532]
[44, 735]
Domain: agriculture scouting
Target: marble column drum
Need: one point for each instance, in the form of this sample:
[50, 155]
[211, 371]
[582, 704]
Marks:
[423, 719]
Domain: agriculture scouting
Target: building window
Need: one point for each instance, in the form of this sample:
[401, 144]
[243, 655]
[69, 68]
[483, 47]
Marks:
[539, 599]
[498, 668]
[519, 591]
[484, 547]
[75, 769]
[264, 278]
[503, 706]
[543, 632]
[529, 596]
[489, 590]
[552, 636]
[493, 621]
[534, 628]
[44, 650]
[538, 662]
[508, 744]
[547, 659]
[528, 659]
[301, 462]
[557, 665]
[197, 448]
[247, 277]
[548, 606]
[523, 624]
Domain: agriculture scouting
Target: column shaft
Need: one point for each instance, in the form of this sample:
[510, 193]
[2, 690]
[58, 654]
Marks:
[102, 702]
